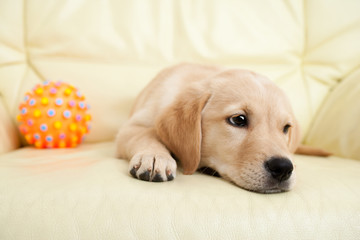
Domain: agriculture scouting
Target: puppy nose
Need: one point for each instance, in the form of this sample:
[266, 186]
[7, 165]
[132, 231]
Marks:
[280, 168]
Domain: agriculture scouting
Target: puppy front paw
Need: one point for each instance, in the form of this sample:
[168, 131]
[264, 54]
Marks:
[153, 167]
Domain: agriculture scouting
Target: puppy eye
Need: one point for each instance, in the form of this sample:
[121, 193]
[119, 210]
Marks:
[286, 128]
[238, 121]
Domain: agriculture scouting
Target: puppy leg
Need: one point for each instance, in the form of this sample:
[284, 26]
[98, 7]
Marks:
[150, 160]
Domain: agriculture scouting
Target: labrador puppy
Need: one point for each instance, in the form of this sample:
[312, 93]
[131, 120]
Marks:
[234, 121]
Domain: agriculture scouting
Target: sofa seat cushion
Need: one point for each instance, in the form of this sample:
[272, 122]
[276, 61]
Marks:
[86, 193]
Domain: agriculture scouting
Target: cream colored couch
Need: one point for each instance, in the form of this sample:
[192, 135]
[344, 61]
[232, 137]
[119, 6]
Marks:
[111, 49]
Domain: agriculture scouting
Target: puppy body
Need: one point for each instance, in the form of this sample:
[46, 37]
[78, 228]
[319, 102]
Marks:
[189, 111]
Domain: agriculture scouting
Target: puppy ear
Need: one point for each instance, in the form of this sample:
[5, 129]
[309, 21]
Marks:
[179, 128]
[294, 136]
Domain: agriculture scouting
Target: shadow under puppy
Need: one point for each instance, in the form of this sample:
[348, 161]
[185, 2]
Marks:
[234, 121]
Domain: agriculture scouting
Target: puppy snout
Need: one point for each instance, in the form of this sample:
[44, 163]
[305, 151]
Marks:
[279, 168]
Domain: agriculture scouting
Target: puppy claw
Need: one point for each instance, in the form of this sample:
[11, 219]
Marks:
[145, 176]
[133, 172]
[170, 177]
[157, 178]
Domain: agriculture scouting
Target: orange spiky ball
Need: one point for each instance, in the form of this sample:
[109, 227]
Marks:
[54, 115]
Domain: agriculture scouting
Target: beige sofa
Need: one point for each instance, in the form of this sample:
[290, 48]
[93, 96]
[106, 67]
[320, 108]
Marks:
[111, 49]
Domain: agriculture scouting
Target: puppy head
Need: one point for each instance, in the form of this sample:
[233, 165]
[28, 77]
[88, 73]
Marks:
[249, 132]
[241, 125]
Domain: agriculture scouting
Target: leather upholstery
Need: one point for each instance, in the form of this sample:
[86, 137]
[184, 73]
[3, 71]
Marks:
[85, 193]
